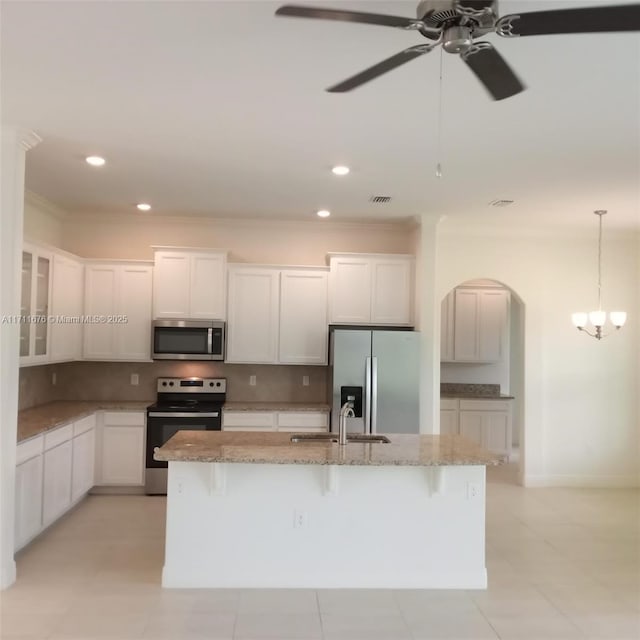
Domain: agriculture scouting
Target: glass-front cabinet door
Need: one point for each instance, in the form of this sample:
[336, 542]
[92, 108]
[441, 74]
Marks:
[34, 306]
[25, 304]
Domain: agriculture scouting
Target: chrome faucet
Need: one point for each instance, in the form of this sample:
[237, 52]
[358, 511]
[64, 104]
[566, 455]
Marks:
[346, 411]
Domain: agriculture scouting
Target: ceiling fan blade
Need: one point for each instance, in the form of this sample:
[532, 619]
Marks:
[491, 69]
[382, 67]
[585, 20]
[346, 16]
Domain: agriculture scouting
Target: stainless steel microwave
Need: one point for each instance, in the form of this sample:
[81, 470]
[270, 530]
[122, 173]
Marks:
[187, 340]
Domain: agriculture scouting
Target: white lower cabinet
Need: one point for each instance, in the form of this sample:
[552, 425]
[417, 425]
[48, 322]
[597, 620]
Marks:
[120, 452]
[56, 496]
[28, 505]
[84, 455]
[485, 422]
[275, 421]
[54, 471]
[449, 416]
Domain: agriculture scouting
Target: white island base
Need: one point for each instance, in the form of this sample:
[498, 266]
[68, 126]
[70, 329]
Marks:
[325, 526]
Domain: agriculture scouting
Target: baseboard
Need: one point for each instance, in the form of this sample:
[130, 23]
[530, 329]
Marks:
[582, 482]
[117, 490]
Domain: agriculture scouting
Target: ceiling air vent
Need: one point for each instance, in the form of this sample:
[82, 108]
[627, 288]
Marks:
[380, 199]
[500, 203]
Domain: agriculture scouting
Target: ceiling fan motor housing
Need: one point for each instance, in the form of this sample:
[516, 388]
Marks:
[449, 16]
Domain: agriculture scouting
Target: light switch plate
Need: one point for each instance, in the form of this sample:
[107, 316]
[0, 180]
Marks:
[135, 379]
[252, 381]
[305, 381]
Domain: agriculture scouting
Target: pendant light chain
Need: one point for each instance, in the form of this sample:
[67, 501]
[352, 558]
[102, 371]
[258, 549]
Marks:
[600, 213]
[439, 147]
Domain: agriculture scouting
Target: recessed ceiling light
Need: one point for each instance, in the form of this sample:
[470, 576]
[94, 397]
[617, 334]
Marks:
[95, 161]
[323, 213]
[340, 170]
[143, 206]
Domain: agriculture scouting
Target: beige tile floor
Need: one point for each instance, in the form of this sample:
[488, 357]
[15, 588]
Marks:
[562, 563]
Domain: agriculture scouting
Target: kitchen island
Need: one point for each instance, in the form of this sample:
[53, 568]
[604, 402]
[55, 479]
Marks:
[257, 510]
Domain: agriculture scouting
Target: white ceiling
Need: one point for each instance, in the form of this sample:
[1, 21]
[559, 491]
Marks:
[219, 109]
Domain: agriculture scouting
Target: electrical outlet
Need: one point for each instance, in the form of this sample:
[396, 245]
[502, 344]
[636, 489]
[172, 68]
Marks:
[135, 379]
[305, 381]
[252, 381]
[299, 519]
[473, 491]
[54, 378]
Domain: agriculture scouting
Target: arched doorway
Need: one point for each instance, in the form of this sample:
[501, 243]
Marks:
[482, 358]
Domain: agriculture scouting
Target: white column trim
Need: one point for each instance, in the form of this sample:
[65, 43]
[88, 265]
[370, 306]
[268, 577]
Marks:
[16, 141]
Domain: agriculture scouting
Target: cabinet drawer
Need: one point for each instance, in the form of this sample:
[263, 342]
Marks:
[29, 449]
[303, 419]
[484, 405]
[84, 424]
[249, 419]
[448, 404]
[58, 436]
[124, 418]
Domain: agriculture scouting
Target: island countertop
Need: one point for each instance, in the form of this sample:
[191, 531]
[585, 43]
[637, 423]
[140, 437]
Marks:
[276, 448]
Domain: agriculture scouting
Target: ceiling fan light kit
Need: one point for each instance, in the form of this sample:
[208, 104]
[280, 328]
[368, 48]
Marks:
[456, 24]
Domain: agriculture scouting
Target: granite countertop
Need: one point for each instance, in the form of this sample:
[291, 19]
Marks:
[472, 391]
[37, 420]
[276, 448]
[475, 396]
[276, 406]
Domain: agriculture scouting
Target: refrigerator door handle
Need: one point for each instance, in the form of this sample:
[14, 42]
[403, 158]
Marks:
[374, 394]
[367, 395]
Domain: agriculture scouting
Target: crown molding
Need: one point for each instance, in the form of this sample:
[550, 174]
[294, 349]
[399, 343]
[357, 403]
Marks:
[45, 205]
[151, 219]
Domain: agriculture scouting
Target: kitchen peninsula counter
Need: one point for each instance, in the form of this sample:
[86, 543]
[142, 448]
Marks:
[254, 510]
[44, 417]
[276, 448]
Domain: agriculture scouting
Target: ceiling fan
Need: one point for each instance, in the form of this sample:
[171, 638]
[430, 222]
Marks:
[456, 24]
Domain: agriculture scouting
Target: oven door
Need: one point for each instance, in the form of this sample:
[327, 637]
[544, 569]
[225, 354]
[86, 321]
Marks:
[161, 426]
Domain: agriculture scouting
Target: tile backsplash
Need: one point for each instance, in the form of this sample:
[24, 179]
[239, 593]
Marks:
[112, 381]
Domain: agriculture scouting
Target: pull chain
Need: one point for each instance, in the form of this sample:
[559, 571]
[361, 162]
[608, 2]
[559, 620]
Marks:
[439, 147]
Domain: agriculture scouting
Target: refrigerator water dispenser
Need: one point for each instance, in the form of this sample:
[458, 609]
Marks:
[354, 395]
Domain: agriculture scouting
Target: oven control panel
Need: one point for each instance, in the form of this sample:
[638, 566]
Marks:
[192, 385]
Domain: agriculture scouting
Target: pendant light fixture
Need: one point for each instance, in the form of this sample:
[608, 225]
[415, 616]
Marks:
[599, 317]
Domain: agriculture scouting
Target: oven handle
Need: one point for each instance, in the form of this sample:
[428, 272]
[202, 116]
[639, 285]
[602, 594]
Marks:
[175, 414]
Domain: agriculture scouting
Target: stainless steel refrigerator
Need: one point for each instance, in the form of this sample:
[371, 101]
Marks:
[379, 371]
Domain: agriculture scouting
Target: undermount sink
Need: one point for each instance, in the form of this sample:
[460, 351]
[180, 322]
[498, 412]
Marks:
[364, 437]
[314, 437]
[332, 437]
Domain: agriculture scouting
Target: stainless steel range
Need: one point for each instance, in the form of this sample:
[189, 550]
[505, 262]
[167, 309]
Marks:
[182, 403]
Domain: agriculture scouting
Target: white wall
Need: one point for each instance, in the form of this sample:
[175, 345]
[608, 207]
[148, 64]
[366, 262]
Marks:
[580, 412]
[303, 243]
[42, 221]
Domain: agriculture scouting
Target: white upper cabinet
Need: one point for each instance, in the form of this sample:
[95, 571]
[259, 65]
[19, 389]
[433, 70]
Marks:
[277, 315]
[118, 296]
[190, 284]
[474, 325]
[303, 317]
[252, 328]
[371, 289]
[66, 303]
[350, 290]
[34, 305]
[391, 285]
